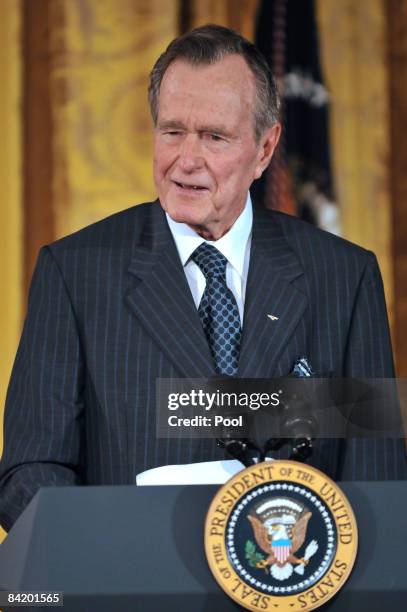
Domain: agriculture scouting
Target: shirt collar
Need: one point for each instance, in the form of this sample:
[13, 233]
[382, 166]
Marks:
[232, 245]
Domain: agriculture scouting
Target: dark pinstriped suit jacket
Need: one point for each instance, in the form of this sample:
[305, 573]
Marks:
[110, 311]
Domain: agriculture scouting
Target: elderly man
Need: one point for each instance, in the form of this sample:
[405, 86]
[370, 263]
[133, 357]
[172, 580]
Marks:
[132, 298]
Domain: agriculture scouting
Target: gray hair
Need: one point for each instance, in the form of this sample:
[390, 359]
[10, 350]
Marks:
[209, 44]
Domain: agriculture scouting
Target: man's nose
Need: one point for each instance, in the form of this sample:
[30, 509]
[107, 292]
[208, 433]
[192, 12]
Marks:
[190, 155]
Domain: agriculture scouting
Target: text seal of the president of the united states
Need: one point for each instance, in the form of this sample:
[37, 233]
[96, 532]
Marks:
[280, 536]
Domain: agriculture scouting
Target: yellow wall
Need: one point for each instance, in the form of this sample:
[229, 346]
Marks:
[10, 194]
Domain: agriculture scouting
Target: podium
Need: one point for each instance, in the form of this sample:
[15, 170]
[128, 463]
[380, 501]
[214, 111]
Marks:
[140, 549]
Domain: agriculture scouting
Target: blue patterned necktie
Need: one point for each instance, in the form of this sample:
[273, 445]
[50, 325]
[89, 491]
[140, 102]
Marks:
[218, 310]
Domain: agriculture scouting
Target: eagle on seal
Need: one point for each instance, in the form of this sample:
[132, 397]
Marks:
[280, 537]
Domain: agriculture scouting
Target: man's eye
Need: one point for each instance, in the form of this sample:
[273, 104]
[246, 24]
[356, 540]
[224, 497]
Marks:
[172, 133]
[215, 137]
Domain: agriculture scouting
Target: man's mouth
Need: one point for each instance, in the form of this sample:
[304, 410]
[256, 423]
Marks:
[190, 187]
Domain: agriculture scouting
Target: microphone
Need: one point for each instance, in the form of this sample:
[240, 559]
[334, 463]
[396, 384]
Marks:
[297, 426]
[240, 449]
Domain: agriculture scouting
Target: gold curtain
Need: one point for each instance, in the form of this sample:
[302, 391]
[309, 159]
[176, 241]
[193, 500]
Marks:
[236, 14]
[354, 59]
[10, 195]
[102, 53]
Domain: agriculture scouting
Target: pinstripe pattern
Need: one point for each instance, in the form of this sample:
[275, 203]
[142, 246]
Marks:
[110, 311]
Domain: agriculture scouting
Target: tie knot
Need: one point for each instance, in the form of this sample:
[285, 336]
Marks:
[210, 261]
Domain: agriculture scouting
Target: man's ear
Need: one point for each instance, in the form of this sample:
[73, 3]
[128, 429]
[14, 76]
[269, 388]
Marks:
[268, 143]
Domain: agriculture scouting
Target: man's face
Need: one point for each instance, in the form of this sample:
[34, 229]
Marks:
[205, 153]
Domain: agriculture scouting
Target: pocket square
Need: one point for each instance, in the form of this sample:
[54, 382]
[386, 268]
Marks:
[302, 368]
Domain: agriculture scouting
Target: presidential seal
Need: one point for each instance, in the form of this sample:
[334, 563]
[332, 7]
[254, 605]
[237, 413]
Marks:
[280, 535]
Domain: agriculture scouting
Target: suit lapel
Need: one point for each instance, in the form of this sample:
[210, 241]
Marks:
[274, 303]
[161, 299]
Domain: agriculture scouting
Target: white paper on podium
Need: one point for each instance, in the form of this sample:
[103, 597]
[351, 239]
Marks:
[208, 472]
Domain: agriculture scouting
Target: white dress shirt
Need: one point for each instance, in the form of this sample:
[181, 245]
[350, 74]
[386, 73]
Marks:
[234, 245]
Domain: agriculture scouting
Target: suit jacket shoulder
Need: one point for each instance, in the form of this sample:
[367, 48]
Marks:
[336, 284]
[121, 229]
[314, 245]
